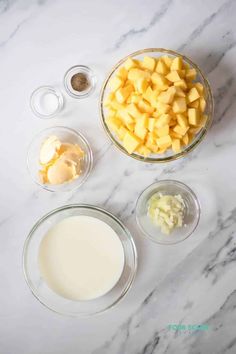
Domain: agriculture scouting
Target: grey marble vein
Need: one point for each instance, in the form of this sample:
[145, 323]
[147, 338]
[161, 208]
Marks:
[132, 33]
[202, 27]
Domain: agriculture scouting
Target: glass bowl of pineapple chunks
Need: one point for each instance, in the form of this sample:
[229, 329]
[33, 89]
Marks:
[156, 105]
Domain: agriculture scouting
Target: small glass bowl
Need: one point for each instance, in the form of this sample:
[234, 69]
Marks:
[76, 70]
[169, 155]
[191, 214]
[66, 135]
[52, 300]
[38, 102]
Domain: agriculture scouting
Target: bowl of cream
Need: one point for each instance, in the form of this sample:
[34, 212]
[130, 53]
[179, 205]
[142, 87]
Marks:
[79, 260]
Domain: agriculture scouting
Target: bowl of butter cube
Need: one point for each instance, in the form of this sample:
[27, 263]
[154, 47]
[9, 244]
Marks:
[156, 105]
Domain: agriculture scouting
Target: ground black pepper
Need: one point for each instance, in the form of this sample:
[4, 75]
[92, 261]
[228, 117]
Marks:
[80, 82]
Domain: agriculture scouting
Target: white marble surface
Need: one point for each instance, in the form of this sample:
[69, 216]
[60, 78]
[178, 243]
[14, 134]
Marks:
[193, 282]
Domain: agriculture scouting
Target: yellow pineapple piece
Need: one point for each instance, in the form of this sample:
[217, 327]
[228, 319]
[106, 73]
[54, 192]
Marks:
[144, 150]
[130, 63]
[122, 73]
[176, 64]
[149, 63]
[164, 141]
[180, 130]
[179, 105]
[181, 84]
[193, 95]
[176, 145]
[193, 116]
[115, 83]
[182, 120]
[161, 67]
[131, 142]
[190, 74]
[151, 124]
[202, 104]
[114, 123]
[145, 107]
[133, 111]
[173, 76]
[163, 131]
[163, 120]
[123, 93]
[159, 80]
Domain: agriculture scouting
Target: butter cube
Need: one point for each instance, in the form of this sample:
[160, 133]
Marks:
[176, 64]
[163, 131]
[161, 67]
[130, 63]
[193, 95]
[181, 84]
[133, 111]
[149, 63]
[190, 74]
[179, 105]
[131, 142]
[180, 130]
[176, 145]
[115, 83]
[173, 76]
[163, 120]
[159, 80]
[164, 141]
[193, 116]
[182, 120]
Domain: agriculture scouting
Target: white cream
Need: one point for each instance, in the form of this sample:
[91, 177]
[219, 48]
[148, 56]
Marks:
[81, 258]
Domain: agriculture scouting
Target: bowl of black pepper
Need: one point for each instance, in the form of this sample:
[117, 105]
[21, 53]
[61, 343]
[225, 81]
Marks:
[79, 81]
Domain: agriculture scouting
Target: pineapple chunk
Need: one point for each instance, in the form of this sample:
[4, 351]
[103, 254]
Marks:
[159, 80]
[164, 141]
[193, 95]
[124, 115]
[190, 74]
[151, 124]
[176, 64]
[163, 120]
[144, 120]
[181, 84]
[135, 74]
[116, 83]
[182, 120]
[122, 73]
[144, 150]
[121, 132]
[130, 126]
[141, 85]
[199, 87]
[149, 95]
[161, 67]
[176, 145]
[193, 116]
[140, 131]
[202, 104]
[167, 96]
[134, 98]
[180, 130]
[130, 63]
[167, 60]
[194, 104]
[173, 76]
[123, 93]
[114, 123]
[163, 131]
[175, 135]
[133, 111]
[179, 92]
[145, 107]
[179, 105]
[131, 142]
[149, 63]
[185, 139]
[162, 108]
[109, 98]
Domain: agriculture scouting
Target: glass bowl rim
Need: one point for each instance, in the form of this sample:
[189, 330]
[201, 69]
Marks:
[174, 182]
[60, 101]
[79, 206]
[189, 147]
[90, 154]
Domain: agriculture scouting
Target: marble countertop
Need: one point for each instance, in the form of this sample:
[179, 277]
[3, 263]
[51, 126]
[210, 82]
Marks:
[191, 283]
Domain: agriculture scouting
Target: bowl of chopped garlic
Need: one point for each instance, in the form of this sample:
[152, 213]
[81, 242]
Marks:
[167, 212]
[156, 105]
[59, 159]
